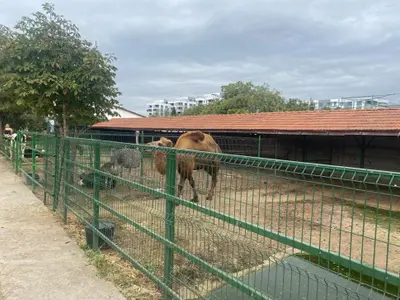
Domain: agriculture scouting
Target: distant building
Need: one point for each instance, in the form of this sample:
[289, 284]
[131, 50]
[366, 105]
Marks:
[125, 113]
[182, 103]
[158, 108]
[165, 107]
[350, 103]
[208, 98]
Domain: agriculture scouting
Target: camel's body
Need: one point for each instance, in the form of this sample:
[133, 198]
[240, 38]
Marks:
[187, 163]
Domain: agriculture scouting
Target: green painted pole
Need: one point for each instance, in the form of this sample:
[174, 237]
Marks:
[259, 146]
[19, 166]
[16, 153]
[46, 167]
[141, 159]
[96, 188]
[67, 178]
[169, 221]
[152, 157]
[362, 158]
[33, 160]
[56, 178]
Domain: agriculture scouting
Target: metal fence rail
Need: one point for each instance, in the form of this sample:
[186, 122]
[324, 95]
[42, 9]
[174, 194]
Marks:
[274, 229]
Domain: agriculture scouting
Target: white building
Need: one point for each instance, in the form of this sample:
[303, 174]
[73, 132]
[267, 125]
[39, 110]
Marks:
[125, 113]
[182, 103]
[208, 98]
[350, 103]
[164, 107]
[158, 108]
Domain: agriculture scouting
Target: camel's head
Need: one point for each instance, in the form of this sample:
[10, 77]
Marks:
[163, 142]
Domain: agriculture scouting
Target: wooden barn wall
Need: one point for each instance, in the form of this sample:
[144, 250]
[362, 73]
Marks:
[382, 153]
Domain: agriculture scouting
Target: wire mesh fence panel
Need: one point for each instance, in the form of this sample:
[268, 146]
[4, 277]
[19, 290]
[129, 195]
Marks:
[6, 148]
[206, 225]
[33, 157]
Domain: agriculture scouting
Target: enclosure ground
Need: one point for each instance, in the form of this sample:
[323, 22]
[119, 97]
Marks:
[37, 258]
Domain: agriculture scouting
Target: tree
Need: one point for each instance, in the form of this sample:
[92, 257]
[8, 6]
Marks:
[6, 103]
[173, 112]
[297, 104]
[245, 97]
[52, 70]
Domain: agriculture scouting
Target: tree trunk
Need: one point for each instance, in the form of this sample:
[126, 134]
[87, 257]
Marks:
[73, 152]
[65, 124]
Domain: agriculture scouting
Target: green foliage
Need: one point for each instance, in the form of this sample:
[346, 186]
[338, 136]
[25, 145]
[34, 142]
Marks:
[246, 97]
[297, 104]
[173, 112]
[47, 67]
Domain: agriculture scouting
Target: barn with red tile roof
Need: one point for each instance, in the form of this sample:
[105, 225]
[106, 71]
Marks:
[357, 138]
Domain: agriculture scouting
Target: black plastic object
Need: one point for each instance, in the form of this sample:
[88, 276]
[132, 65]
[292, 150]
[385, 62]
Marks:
[28, 176]
[105, 227]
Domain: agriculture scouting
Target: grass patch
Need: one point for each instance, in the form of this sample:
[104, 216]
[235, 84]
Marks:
[129, 281]
[110, 266]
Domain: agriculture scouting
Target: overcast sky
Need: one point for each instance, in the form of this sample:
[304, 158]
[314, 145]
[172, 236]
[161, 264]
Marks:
[304, 48]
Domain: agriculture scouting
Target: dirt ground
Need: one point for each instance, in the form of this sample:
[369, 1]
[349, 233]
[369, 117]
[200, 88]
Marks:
[364, 225]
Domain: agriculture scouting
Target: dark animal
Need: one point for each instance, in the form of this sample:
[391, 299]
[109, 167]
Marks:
[106, 182]
[126, 158]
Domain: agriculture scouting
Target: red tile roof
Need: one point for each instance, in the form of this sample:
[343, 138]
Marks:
[339, 122]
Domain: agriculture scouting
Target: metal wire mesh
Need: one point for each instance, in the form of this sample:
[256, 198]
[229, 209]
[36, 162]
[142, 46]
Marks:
[273, 229]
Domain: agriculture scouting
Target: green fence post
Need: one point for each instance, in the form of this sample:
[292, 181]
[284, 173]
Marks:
[56, 167]
[96, 188]
[46, 167]
[1, 141]
[91, 152]
[169, 221]
[15, 154]
[33, 161]
[259, 146]
[142, 137]
[20, 153]
[141, 158]
[67, 172]
[152, 157]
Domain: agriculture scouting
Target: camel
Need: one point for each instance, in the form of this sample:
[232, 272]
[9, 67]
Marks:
[187, 163]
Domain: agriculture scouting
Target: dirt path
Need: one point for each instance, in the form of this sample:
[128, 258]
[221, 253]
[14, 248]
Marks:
[37, 258]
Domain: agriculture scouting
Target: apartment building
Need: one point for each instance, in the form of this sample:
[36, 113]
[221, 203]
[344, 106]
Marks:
[350, 103]
[164, 107]
[158, 108]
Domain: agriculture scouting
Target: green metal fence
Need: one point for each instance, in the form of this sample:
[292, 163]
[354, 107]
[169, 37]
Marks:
[273, 230]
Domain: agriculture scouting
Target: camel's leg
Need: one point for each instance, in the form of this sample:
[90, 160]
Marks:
[192, 184]
[213, 174]
[180, 185]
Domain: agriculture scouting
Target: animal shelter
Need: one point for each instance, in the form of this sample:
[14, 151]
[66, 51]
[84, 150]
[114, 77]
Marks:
[352, 138]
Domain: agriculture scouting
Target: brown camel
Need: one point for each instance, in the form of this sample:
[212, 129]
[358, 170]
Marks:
[187, 163]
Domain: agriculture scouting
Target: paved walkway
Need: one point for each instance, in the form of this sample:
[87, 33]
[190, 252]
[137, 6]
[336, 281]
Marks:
[37, 258]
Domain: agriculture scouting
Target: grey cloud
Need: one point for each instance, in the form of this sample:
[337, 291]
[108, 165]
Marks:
[171, 48]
